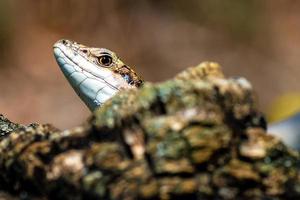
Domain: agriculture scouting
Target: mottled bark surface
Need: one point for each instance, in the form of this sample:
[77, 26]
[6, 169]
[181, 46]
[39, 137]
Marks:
[197, 136]
[7, 126]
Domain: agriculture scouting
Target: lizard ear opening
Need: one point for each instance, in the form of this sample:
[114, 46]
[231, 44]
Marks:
[105, 60]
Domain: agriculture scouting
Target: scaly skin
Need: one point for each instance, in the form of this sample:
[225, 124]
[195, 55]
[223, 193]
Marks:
[96, 74]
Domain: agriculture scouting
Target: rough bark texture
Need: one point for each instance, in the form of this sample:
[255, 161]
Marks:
[197, 136]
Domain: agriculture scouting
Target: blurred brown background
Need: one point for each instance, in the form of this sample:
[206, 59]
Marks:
[256, 39]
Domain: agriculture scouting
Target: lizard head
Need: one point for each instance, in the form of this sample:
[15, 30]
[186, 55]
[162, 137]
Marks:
[96, 74]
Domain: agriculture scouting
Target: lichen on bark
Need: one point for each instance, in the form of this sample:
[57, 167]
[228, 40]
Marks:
[7, 126]
[197, 136]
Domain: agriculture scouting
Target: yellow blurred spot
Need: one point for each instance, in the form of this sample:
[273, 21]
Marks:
[284, 106]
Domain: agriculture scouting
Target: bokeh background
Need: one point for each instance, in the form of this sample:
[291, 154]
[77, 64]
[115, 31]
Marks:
[259, 40]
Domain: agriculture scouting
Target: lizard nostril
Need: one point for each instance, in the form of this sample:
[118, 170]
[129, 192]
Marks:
[64, 42]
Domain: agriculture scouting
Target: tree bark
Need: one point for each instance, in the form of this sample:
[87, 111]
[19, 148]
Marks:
[197, 136]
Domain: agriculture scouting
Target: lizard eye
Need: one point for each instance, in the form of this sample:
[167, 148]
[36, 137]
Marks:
[105, 60]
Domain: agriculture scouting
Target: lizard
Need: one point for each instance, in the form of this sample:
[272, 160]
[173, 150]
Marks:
[97, 74]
